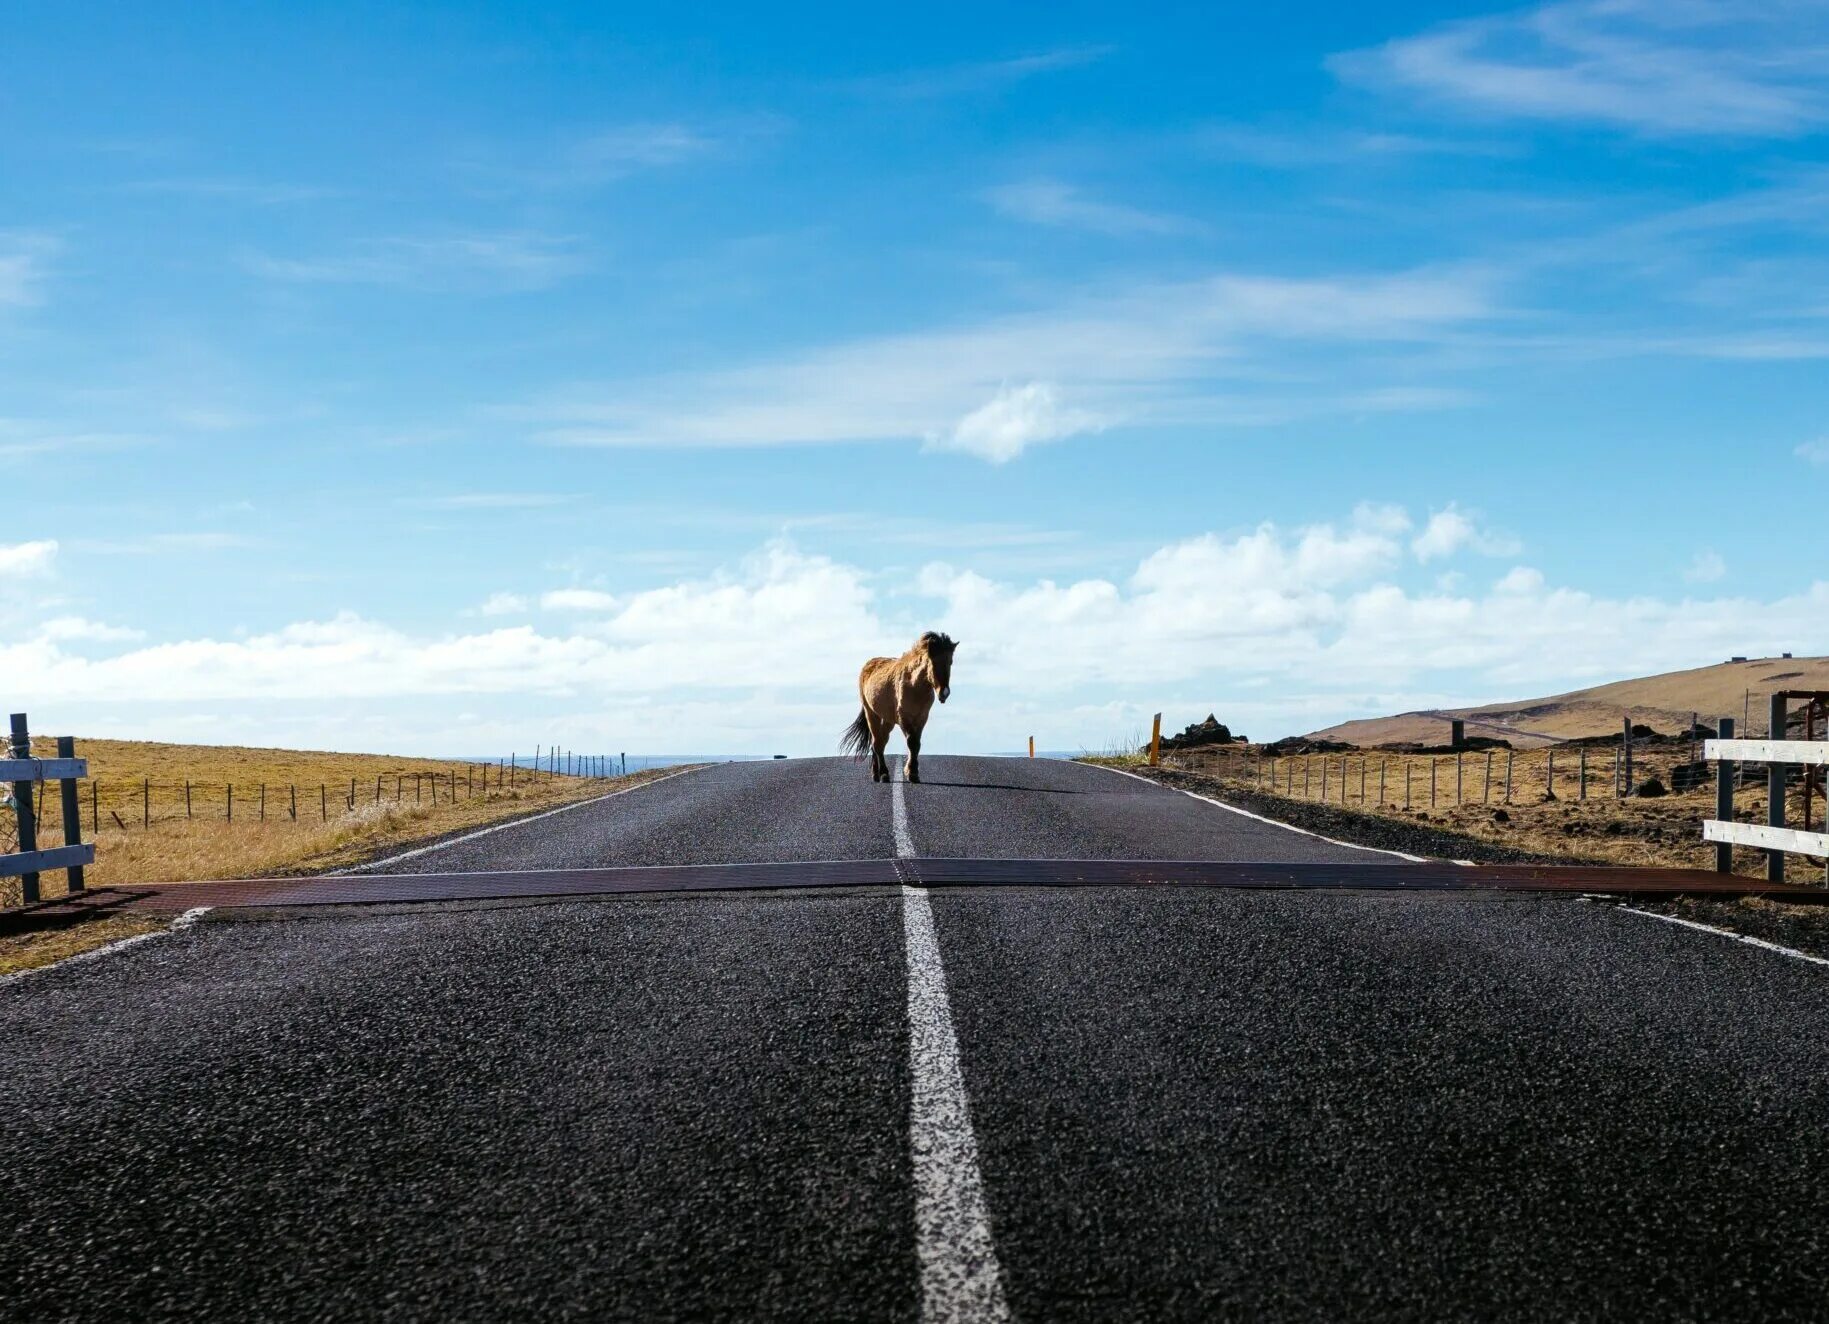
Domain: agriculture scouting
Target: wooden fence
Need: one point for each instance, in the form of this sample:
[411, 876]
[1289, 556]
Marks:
[25, 775]
[1780, 757]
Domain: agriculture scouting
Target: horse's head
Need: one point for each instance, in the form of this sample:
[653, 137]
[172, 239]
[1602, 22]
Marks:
[937, 650]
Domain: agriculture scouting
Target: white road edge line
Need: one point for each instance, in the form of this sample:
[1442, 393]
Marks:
[961, 1282]
[183, 921]
[1746, 938]
[519, 822]
[1246, 813]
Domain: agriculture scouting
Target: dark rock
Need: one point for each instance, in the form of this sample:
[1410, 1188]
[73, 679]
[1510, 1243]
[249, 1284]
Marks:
[1210, 732]
[1650, 789]
[1500, 816]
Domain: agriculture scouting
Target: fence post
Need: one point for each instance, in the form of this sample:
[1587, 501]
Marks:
[1383, 763]
[1459, 764]
[263, 802]
[22, 804]
[1775, 790]
[73, 811]
[146, 802]
[293, 788]
[95, 807]
[1486, 790]
[1432, 763]
[231, 802]
[1581, 774]
[1625, 744]
[187, 797]
[323, 803]
[1549, 781]
[1725, 776]
[1155, 741]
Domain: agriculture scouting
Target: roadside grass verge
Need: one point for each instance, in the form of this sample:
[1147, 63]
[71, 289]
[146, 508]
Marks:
[28, 951]
[436, 799]
[1804, 927]
[1357, 827]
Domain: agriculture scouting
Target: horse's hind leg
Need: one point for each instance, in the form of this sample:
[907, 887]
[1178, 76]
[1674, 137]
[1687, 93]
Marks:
[879, 741]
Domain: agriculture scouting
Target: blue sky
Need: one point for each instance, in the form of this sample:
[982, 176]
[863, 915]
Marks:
[449, 379]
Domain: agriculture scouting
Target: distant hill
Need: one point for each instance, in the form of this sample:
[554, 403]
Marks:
[1661, 702]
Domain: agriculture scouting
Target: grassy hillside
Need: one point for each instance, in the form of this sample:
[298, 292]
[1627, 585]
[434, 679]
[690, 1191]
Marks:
[1663, 702]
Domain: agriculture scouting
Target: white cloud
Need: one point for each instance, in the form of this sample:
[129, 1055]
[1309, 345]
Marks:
[502, 604]
[1814, 452]
[578, 599]
[71, 629]
[461, 262]
[1141, 354]
[782, 623]
[488, 501]
[1293, 627]
[626, 147]
[1710, 67]
[1451, 531]
[1053, 202]
[1706, 567]
[978, 77]
[24, 263]
[27, 559]
[1014, 419]
[1309, 612]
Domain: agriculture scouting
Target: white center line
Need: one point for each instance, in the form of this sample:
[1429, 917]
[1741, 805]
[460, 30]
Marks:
[898, 816]
[960, 1279]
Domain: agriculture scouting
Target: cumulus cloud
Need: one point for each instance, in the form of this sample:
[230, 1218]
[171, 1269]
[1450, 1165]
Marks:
[1814, 452]
[1718, 67]
[578, 599]
[1706, 567]
[27, 558]
[1452, 530]
[1011, 421]
[1295, 627]
[502, 604]
[1312, 612]
[71, 629]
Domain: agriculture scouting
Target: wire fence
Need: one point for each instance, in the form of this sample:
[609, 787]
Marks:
[138, 804]
[1373, 779]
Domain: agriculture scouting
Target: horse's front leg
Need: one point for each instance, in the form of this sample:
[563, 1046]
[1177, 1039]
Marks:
[914, 755]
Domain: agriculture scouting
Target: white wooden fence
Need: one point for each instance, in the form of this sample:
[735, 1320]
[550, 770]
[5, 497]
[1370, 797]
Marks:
[1775, 836]
[24, 773]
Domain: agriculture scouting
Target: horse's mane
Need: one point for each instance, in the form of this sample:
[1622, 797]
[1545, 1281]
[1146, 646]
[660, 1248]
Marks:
[933, 639]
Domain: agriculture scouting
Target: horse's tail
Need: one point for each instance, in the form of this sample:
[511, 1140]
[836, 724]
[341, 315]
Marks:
[856, 739]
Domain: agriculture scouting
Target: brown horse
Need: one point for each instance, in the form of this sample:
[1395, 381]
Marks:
[899, 691]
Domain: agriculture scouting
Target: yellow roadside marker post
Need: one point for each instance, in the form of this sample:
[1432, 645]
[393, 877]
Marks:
[1155, 741]
[1031, 746]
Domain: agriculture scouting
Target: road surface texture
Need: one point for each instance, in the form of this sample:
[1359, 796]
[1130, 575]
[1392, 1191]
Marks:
[913, 1104]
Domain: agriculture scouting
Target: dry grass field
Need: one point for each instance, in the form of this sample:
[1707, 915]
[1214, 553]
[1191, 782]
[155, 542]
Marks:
[1663, 831]
[1663, 702]
[348, 807]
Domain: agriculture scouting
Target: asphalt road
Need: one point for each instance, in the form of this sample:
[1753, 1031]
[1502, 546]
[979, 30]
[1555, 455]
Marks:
[1182, 1104]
